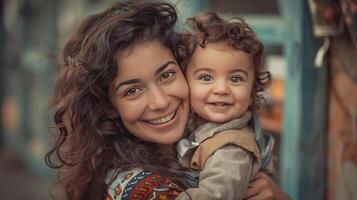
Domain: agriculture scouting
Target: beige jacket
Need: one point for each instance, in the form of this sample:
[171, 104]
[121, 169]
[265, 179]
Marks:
[226, 156]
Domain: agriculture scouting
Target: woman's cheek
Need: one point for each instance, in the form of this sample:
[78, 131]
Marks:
[182, 87]
[131, 110]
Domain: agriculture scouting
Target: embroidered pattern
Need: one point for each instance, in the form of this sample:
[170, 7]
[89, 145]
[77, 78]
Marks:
[140, 185]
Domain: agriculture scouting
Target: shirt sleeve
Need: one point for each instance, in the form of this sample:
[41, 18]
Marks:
[226, 175]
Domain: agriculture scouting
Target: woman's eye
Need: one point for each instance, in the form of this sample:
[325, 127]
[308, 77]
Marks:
[132, 91]
[205, 77]
[236, 79]
[167, 75]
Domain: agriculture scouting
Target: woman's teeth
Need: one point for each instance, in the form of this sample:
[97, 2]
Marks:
[163, 120]
[219, 104]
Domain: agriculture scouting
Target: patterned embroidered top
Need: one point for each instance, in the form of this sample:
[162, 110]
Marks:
[139, 184]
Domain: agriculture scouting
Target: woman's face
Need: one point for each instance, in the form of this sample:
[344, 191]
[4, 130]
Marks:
[150, 93]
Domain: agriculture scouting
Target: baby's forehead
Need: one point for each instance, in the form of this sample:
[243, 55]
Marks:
[219, 57]
[216, 46]
[222, 46]
[214, 50]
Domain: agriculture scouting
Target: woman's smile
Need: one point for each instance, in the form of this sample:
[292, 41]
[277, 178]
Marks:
[163, 120]
[166, 122]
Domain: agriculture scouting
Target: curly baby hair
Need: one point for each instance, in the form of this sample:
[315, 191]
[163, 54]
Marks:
[90, 139]
[208, 28]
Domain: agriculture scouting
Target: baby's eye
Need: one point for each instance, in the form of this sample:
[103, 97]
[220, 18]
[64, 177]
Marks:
[236, 79]
[167, 75]
[132, 91]
[205, 77]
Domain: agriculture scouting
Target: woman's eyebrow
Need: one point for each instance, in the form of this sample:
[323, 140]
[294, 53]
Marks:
[128, 82]
[158, 71]
[163, 67]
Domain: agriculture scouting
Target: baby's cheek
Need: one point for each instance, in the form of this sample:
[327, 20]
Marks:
[243, 101]
[197, 100]
[197, 90]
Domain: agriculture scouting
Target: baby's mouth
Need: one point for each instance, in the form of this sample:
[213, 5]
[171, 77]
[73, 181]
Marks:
[219, 104]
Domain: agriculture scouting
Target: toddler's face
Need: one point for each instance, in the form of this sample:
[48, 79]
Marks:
[220, 81]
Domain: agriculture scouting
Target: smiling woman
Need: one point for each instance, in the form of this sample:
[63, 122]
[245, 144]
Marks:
[120, 102]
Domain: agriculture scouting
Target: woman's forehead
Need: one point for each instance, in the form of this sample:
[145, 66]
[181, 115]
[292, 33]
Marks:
[143, 59]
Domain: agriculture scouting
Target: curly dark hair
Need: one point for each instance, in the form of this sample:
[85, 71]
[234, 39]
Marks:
[208, 27]
[89, 140]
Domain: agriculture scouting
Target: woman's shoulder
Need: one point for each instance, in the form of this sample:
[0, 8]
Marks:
[139, 184]
[115, 182]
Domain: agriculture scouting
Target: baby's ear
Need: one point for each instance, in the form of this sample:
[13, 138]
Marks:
[252, 96]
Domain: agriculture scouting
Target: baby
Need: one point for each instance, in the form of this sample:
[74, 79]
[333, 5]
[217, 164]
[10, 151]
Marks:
[225, 75]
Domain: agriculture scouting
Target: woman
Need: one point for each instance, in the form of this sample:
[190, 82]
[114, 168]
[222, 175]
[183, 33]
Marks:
[120, 103]
[107, 113]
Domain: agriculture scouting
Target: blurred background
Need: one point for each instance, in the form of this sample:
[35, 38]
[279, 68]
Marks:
[311, 50]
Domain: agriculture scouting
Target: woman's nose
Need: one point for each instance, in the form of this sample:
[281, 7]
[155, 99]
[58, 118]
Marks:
[220, 87]
[158, 99]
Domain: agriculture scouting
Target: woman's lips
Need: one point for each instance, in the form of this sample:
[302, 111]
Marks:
[162, 120]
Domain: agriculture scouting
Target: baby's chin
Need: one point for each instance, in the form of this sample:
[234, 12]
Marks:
[218, 119]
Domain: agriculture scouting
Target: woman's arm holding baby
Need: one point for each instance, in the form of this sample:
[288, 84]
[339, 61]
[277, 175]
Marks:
[263, 187]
